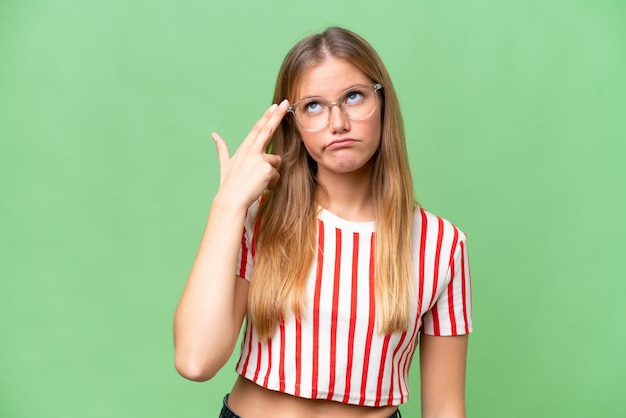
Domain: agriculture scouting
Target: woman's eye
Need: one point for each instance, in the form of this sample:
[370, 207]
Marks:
[313, 107]
[353, 97]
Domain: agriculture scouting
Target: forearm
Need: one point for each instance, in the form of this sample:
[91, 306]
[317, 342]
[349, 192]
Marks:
[208, 317]
[442, 370]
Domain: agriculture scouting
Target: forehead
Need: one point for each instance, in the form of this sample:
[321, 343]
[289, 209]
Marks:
[330, 78]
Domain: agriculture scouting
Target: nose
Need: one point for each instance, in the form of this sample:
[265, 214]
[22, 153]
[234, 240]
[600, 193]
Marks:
[339, 122]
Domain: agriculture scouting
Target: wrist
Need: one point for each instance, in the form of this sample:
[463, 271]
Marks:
[225, 203]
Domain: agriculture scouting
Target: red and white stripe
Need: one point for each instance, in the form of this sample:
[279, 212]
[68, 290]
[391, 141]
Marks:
[334, 351]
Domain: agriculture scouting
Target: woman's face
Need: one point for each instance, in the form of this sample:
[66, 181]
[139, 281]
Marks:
[344, 145]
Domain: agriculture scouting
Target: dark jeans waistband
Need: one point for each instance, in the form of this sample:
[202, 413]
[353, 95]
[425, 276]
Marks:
[228, 413]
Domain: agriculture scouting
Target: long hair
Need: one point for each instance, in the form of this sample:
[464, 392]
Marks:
[286, 236]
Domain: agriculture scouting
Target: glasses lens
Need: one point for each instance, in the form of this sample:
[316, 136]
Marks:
[359, 102]
[312, 114]
[356, 103]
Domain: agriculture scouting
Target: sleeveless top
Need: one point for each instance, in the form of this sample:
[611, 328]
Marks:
[334, 351]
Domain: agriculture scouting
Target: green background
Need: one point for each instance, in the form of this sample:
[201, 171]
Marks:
[515, 114]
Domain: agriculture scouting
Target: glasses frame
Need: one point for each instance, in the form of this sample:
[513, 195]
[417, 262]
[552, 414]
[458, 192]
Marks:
[292, 108]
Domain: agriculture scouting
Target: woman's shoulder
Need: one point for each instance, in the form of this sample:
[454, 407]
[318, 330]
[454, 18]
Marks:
[425, 222]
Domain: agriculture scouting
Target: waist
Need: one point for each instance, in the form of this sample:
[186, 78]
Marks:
[248, 399]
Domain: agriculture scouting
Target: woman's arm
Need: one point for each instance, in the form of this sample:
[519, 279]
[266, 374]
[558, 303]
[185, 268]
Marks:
[442, 368]
[213, 304]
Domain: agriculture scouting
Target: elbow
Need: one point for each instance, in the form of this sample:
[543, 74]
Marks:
[194, 361]
[194, 369]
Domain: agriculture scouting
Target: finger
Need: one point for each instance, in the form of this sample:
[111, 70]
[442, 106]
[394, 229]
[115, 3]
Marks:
[265, 135]
[273, 180]
[258, 126]
[223, 154]
[273, 160]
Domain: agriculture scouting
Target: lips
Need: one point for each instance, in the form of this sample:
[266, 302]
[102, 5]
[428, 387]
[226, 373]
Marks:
[340, 143]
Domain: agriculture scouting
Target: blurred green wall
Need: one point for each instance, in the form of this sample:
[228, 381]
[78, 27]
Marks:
[515, 113]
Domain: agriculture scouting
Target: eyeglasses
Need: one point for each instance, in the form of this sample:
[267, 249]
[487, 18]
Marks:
[357, 103]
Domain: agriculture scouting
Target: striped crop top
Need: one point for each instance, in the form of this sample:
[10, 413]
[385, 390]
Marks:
[334, 351]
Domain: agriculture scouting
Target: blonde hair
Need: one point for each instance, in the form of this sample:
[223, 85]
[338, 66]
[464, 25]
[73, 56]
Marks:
[286, 238]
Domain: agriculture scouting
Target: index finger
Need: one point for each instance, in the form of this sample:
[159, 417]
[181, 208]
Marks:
[254, 132]
[264, 135]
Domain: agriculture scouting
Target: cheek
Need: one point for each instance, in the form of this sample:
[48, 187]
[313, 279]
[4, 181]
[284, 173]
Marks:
[309, 140]
[375, 124]
[376, 130]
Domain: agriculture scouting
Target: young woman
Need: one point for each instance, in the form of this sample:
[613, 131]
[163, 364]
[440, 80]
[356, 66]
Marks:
[315, 238]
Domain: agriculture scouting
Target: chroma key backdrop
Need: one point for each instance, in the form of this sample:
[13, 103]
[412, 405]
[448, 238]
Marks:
[516, 127]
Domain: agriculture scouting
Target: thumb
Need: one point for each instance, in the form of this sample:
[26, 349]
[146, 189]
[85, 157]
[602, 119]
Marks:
[223, 154]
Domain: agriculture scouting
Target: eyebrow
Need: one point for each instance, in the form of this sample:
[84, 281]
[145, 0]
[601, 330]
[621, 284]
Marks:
[322, 97]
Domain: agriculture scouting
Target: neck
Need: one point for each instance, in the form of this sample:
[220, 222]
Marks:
[348, 196]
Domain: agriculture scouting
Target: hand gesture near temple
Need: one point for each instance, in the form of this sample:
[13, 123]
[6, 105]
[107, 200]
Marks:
[250, 170]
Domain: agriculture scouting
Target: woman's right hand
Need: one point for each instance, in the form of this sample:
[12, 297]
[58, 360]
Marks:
[245, 175]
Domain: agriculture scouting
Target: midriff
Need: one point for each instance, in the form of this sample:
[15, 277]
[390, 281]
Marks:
[249, 400]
